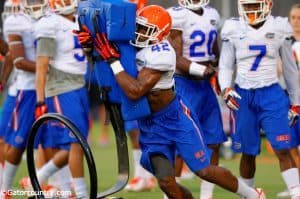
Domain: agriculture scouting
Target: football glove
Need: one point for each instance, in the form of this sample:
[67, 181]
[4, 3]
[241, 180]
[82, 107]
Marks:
[230, 97]
[40, 109]
[85, 38]
[293, 115]
[107, 50]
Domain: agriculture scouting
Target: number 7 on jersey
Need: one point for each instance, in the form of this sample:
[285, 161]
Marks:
[262, 49]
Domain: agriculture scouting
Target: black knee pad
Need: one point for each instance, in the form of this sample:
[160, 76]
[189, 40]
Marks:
[162, 167]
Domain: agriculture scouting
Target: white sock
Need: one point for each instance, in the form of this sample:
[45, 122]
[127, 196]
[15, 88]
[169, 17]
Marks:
[248, 181]
[291, 179]
[137, 154]
[80, 188]
[206, 189]
[64, 181]
[46, 171]
[245, 191]
[9, 173]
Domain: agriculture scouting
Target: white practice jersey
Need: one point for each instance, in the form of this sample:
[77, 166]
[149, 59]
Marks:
[198, 32]
[22, 25]
[69, 55]
[255, 51]
[161, 57]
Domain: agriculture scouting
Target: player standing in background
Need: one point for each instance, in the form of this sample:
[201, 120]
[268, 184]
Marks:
[254, 43]
[7, 79]
[19, 28]
[60, 87]
[194, 38]
[170, 127]
[294, 18]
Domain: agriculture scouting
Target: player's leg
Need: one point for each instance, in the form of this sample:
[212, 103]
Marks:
[20, 124]
[246, 135]
[197, 157]
[74, 105]
[165, 175]
[213, 133]
[7, 110]
[274, 105]
[142, 179]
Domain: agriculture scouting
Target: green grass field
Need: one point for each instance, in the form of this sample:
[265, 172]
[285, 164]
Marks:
[267, 174]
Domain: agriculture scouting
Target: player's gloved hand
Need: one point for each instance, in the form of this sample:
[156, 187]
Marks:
[230, 97]
[85, 38]
[106, 49]
[40, 109]
[294, 114]
[213, 80]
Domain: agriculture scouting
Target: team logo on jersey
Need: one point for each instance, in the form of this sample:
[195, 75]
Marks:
[213, 22]
[270, 35]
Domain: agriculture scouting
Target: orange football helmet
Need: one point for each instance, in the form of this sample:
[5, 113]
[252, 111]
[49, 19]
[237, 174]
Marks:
[153, 24]
[64, 7]
[255, 11]
[139, 3]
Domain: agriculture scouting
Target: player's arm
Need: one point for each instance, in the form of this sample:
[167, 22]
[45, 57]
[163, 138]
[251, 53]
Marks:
[17, 53]
[45, 50]
[226, 64]
[3, 47]
[226, 69]
[136, 88]
[183, 64]
[6, 69]
[290, 72]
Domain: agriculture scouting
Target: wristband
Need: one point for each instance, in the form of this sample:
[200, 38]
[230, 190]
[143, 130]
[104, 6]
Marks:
[116, 67]
[17, 60]
[197, 69]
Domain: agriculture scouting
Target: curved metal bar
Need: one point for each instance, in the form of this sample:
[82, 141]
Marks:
[83, 143]
[121, 142]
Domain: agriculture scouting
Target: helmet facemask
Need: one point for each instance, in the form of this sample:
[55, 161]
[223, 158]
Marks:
[9, 9]
[64, 7]
[193, 4]
[254, 11]
[35, 8]
[145, 34]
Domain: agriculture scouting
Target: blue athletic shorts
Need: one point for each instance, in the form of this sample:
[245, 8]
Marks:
[172, 130]
[264, 108]
[295, 134]
[203, 101]
[7, 109]
[73, 105]
[131, 125]
[22, 119]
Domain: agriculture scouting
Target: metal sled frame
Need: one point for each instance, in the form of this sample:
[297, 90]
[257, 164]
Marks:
[83, 143]
[121, 142]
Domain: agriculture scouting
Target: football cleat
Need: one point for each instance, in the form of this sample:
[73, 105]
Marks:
[284, 194]
[261, 193]
[140, 184]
